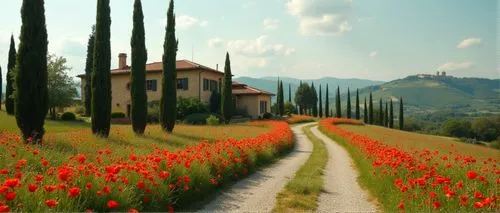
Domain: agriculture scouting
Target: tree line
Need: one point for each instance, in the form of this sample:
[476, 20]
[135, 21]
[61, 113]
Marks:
[27, 95]
[309, 101]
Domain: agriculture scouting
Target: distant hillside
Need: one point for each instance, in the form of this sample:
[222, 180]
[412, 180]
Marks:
[270, 83]
[430, 93]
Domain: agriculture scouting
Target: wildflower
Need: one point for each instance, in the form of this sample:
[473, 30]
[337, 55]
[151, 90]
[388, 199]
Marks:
[132, 211]
[32, 187]
[478, 205]
[4, 208]
[12, 183]
[471, 175]
[112, 204]
[436, 204]
[10, 196]
[51, 203]
[73, 191]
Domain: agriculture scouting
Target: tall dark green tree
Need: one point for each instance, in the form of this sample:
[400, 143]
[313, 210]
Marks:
[391, 115]
[370, 110]
[314, 101]
[282, 100]
[327, 103]
[168, 101]
[365, 114]
[278, 98]
[101, 77]
[89, 63]
[138, 106]
[9, 89]
[289, 93]
[320, 105]
[31, 102]
[401, 114]
[227, 92]
[381, 114]
[338, 108]
[357, 105]
[386, 115]
[348, 103]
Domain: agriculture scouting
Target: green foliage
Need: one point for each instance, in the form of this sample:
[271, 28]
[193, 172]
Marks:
[381, 113]
[338, 109]
[188, 106]
[197, 118]
[304, 98]
[153, 112]
[68, 116]
[31, 101]
[227, 92]
[327, 103]
[487, 128]
[358, 116]
[314, 101]
[457, 128]
[9, 89]
[169, 90]
[118, 115]
[391, 116]
[386, 115]
[88, 72]
[267, 115]
[370, 110]
[214, 102]
[401, 114]
[213, 120]
[278, 99]
[365, 113]
[290, 108]
[348, 103]
[320, 113]
[289, 93]
[61, 87]
[79, 109]
[139, 98]
[281, 103]
[101, 77]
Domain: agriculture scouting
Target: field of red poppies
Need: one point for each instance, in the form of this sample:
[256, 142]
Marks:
[404, 178]
[296, 119]
[37, 179]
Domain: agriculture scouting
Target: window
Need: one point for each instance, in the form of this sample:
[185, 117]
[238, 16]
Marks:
[151, 85]
[182, 83]
[263, 106]
[214, 85]
[206, 84]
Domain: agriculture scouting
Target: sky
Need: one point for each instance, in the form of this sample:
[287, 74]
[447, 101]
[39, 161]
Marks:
[307, 39]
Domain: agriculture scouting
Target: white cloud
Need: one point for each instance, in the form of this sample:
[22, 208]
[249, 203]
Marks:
[258, 48]
[270, 24]
[215, 42]
[468, 42]
[456, 66]
[321, 17]
[186, 22]
[373, 54]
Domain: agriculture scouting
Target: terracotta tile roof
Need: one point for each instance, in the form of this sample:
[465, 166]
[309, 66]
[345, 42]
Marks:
[181, 65]
[243, 89]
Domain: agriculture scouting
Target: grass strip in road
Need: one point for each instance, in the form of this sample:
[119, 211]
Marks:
[302, 192]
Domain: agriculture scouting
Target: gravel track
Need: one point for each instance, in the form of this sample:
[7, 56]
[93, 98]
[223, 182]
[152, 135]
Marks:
[342, 192]
[257, 193]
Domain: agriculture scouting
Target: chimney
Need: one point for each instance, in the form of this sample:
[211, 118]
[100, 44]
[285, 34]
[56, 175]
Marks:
[217, 67]
[122, 60]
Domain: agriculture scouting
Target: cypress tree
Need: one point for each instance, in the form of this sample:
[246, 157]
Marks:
[101, 76]
[1, 87]
[138, 107]
[314, 100]
[320, 103]
[327, 103]
[357, 105]
[9, 90]
[337, 104]
[31, 102]
[391, 116]
[365, 114]
[227, 92]
[348, 103]
[370, 110]
[282, 99]
[168, 102]
[278, 98]
[88, 72]
[289, 93]
[381, 114]
[401, 114]
[386, 115]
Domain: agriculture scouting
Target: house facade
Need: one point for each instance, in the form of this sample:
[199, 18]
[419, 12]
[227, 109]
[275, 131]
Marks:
[193, 81]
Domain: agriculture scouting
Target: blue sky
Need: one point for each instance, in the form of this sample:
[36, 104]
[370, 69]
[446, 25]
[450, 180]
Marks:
[378, 40]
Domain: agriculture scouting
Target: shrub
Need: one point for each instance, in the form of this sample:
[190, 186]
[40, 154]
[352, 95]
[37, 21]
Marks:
[153, 112]
[495, 144]
[80, 110]
[267, 115]
[212, 120]
[240, 112]
[197, 118]
[188, 106]
[117, 115]
[68, 116]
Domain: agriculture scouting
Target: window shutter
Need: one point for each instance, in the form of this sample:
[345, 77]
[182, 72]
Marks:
[154, 85]
[185, 86]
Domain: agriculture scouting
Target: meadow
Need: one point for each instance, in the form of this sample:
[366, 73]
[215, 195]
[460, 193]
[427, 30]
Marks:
[415, 173]
[74, 171]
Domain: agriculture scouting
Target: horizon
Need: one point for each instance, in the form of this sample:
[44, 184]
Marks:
[345, 39]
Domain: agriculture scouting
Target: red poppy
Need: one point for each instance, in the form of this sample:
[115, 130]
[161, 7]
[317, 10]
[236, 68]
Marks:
[132, 211]
[478, 205]
[51, 203]
[401, 205]
[4, 208]
[10, 196]
[141, 184]
[112, 204]
[437, 204]
[73, 191]
[32, 187]
[12, 183]
[471, 175]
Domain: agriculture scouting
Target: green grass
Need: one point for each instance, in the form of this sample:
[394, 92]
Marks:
[302, 192]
